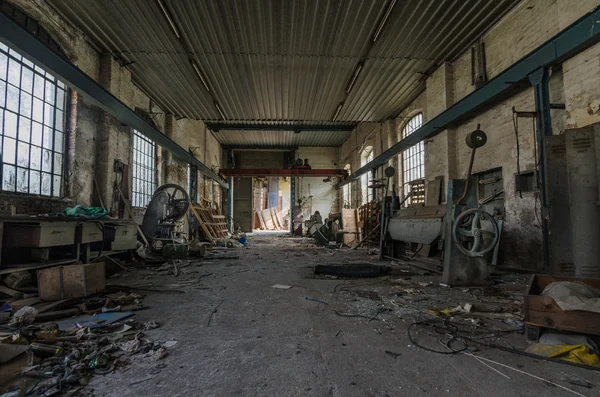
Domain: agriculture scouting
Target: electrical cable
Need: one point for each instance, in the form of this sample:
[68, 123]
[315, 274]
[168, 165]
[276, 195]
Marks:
[456, 333]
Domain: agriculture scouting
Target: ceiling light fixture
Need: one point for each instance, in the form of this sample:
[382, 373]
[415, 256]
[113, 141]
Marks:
[199, 73]
[220, 111]
[354, 77]
[384, 19]
[165, 11]
[337, 112]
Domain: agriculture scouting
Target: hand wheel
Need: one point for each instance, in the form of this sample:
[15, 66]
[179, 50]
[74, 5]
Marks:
[468, 224]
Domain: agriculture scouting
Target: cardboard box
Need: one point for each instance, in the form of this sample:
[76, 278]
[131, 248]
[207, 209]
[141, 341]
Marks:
[73, 281]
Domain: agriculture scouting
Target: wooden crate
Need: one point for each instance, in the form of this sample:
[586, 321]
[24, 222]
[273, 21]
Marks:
[542, 311]
[74, 281]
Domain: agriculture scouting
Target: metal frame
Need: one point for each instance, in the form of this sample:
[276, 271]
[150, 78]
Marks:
[580, 35]
[282, 172]
[143, 170]
[216, 127]
[38, 112]
[30, 46]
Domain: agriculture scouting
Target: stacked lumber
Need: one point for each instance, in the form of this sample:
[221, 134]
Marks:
[211, 222]
[270, 219]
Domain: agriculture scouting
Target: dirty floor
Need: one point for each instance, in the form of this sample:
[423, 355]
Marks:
[238, 336]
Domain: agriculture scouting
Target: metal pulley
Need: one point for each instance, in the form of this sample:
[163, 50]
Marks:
[476, 139]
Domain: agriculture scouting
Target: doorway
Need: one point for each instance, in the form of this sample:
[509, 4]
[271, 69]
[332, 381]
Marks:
[271, 204]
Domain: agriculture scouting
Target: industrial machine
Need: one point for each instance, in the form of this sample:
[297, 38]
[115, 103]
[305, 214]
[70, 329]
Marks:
[169, 204]
[465, 232]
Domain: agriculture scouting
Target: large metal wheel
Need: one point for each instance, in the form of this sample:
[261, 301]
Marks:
[470, 236]
[179, 201]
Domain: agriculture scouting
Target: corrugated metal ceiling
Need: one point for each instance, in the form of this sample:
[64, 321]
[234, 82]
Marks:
[283, 60]
[261, 138]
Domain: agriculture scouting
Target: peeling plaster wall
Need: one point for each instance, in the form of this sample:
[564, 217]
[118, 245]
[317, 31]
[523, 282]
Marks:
[97, 139]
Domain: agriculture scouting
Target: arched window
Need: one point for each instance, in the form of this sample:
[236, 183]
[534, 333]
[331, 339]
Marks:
[346, 190]
[32, 121]
[366, 157]
[413, 162]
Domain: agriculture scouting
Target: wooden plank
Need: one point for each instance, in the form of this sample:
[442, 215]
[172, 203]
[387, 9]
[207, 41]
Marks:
[263, 226]
[433, 192]
[279, 219]
[197, 211]
[275, 219]
[33, 266]
[268, 219]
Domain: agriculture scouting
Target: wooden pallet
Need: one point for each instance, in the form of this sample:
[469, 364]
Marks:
[210, 221]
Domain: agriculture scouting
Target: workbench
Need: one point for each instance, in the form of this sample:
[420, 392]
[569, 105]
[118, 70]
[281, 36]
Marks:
[39, 234]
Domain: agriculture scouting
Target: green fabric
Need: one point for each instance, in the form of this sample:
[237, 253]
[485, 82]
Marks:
[92, 212]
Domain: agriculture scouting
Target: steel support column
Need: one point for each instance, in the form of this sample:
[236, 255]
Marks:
[580, 35]
[539, 79]
[33, 49]
[229, 199]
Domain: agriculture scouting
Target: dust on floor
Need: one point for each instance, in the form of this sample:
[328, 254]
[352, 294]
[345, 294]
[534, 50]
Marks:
[325, 336]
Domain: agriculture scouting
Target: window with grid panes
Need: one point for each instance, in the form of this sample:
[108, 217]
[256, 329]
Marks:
[32, 118]
[144, 170]
[413, 159]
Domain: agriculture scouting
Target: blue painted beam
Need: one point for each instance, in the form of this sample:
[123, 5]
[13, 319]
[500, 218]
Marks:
[33, 49]
[580, 35]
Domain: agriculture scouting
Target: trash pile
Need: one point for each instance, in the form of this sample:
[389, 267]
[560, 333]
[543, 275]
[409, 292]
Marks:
[50, 353]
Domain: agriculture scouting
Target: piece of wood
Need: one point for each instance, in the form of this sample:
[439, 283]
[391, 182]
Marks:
[31, 266]
[75, 281]
[56, 315]
[268, 219]
[543, 311]
[44, 307]
[433, 193]
[261, 220]
[10, 292]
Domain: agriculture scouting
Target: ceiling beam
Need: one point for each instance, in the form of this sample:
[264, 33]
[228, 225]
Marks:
[304, 172]
[580, 35]
[216, 127]
[33, 49]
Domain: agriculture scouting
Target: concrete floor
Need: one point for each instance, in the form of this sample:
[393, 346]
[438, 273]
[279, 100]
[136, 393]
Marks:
[263, 341]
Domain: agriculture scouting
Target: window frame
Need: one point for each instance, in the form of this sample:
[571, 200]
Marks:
[40, 127]
[413, 158]
[143, 151]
